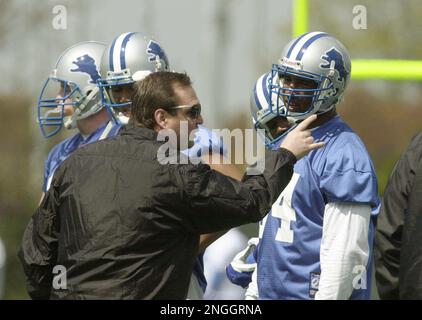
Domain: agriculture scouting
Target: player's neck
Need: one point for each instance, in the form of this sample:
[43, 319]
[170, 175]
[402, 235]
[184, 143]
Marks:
[323, 118]
[89, 125]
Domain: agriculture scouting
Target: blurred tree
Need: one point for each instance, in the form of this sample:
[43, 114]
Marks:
[22, 32]
[16, 198]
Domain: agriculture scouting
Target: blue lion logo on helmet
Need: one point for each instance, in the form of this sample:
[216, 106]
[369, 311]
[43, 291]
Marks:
[153, 50]
[334, 55]
[86, 64]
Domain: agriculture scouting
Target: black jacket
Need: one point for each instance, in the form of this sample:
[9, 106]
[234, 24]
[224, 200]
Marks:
[127, 227]
[398, 243]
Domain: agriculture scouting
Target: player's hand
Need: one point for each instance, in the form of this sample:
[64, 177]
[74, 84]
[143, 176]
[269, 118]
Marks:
[300, 141]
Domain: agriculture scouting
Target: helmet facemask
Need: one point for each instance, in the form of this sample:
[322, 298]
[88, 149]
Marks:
[299, 102]
[116, 109]
[110, 88]
[56, 104]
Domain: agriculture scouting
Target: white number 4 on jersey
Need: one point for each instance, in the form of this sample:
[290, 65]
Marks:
[283, 210]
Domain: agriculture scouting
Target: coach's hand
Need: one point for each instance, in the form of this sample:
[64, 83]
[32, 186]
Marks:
[300, 141]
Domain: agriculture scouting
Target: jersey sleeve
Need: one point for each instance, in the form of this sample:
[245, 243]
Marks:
[348, 174]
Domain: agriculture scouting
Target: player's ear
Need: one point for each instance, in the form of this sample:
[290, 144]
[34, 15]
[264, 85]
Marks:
[160, 118]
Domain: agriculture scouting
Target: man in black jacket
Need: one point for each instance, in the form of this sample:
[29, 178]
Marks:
[125, 226]
[398, 243]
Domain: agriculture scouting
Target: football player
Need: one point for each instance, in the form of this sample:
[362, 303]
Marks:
[70, 98]
[316, 242]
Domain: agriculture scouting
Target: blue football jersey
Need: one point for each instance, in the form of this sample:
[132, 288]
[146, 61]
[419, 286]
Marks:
[289, 249]
[65, 148]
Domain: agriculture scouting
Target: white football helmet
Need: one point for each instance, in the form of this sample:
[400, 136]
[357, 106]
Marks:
[130, 58]
[314, 56]
[70, 93]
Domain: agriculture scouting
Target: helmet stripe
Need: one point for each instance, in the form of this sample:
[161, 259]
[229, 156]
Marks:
[294, 43]
[255, 94]
[116, 51]
[123, 50]
[265, 90]
[308, 43]
[298, 45]
[261, 92]
[110, 58]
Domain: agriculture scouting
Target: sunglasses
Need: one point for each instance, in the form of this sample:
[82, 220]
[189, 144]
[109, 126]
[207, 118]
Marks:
[194, 111]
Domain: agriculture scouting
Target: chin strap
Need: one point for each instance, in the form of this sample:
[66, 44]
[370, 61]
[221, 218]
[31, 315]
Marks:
[123, 120]
[70, 121]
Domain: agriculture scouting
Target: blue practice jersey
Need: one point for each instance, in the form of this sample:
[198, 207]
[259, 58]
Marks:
[64, 149]
[289, 252]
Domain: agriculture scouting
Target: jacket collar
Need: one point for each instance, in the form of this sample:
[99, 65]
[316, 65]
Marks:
[139, 133]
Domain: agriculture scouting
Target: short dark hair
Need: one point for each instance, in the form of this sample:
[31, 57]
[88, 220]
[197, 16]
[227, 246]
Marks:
[156, 91]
